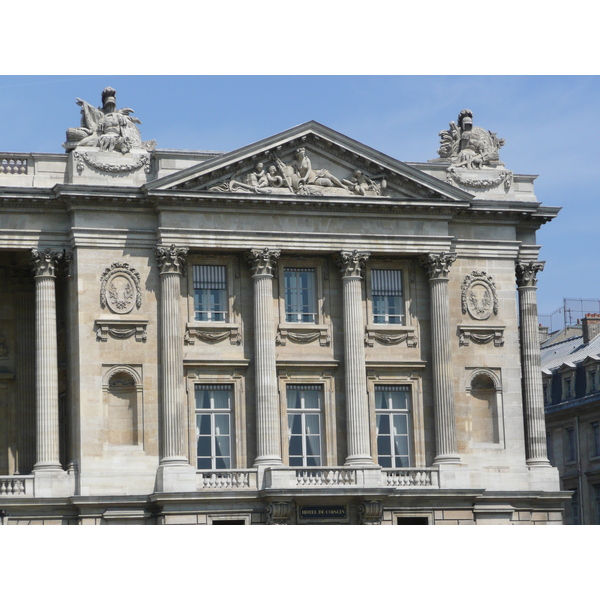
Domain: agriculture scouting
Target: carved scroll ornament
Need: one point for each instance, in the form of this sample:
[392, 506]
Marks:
[120, 289]
[478, 296]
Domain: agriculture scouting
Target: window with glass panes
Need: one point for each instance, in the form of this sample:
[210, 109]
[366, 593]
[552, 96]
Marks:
[304, 404]
[595, 426]
[210, 293]
[392, 420]
[300, 295]
[213, 426]
[386, 296]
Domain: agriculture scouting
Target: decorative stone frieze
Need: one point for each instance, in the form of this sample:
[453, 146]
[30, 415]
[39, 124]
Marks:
[263, 262]
[121, 329]
[478, 296]
[481, 334]
[171, 259]
[213, 333]
[86, 158]
[391, 336]
[279, 513]
[120, 288]
[477, 182]
[303, 335]
[370, 512]
[526, 272]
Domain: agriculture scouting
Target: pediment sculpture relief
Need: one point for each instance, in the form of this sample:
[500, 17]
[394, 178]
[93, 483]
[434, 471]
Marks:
[107, 128]
[300, 176]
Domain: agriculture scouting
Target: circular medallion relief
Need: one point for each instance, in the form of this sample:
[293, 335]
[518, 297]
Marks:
[120, 289]
[479, 297]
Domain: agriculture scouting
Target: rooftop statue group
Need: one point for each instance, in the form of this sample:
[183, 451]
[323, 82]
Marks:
[299, 177]
[469, 147]
[106, 128]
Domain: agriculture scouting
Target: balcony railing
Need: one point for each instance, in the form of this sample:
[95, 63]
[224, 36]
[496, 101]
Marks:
[226, 480]
[16, 485]
[325, 477]
[13, 166]
[411, 477]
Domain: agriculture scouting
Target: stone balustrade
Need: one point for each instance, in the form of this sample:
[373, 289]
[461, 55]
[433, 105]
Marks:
[13, 165]
[325, 477]
[16, 485]
[226, 480]
[411, 477]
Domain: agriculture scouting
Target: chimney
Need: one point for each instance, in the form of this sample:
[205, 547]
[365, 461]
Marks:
[591, 326]
[543, 332]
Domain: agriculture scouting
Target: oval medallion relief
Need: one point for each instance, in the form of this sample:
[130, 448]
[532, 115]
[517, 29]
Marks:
[120, 289]
[479, 297]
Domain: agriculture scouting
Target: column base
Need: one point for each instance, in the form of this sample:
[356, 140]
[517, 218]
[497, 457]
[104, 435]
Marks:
[359, 460]
[47, 466]
[538, 462]
[175, 476]
[268, 461]
[52, 483]
[543, 477]
[445, 459]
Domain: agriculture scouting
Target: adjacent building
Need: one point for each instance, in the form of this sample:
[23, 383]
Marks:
[304, 330]
[571, 380]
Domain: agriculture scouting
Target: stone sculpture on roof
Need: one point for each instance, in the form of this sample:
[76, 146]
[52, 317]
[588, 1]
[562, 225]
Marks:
[107, 128]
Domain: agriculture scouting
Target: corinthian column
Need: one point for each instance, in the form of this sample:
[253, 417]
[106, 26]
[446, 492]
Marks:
[171, 264]
[44, 264]
[268, 431]
[357, 406]
[533, 398]
[438, 267]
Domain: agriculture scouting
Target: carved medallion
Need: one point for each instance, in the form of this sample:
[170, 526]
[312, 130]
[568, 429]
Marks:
[120, 289]
[479, 297]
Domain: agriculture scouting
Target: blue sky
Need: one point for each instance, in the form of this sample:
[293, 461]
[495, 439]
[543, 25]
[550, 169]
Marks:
[550, 124]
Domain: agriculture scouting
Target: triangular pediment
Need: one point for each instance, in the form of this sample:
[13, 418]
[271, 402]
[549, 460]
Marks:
[309, 160]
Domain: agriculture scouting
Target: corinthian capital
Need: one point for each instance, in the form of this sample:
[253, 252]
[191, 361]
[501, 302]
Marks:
[526, 272]
[45, 262]
[263, 261]
[438, 265]
[171, 259]
[351, 262]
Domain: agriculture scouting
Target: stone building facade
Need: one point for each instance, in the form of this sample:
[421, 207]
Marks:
[301, 331]
[571, 384]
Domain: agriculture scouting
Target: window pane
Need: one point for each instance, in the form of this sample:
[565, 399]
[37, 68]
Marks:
[295, 461]
[400, 424]
[204, 463]
[313, 461]
[202, 398]
[401, 445]
[221, 424]
[383, 424]
[295, 446]
[312, 398]
[295, 424]
[222, 462]
[222, 446]
[398, 400]
[221, 398]
[313, 445]
[300, 295]
[385, 461]
[312, 424]
[380, 399]
[203, 448]
[384, 446]
[203, 424]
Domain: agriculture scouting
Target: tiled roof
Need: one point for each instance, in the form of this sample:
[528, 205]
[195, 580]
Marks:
[571, 350]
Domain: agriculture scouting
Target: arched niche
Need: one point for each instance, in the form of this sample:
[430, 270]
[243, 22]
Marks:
[122, 403]
[485, 407]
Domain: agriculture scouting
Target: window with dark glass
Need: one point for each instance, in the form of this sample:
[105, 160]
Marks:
[300, 295]
[386, 295]
[392, 416]
[210, 293]
[549, 448]
[213, 426]
[595, 438]
[571, 450]
[304, 404]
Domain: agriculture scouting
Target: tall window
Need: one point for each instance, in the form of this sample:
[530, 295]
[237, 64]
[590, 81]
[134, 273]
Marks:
[304, 424]
[300, 295]
[213, 425]
[592, 386]
[549, 449]
[392, 415]
[210, 293]
[595, 446]
[570, 450]
[386, 293]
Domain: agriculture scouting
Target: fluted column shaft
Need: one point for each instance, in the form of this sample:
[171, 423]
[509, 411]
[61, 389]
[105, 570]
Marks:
[171, 263]
[46, 353]
[357, 406]
[268, 432]
[533, 396]
[438, 266]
